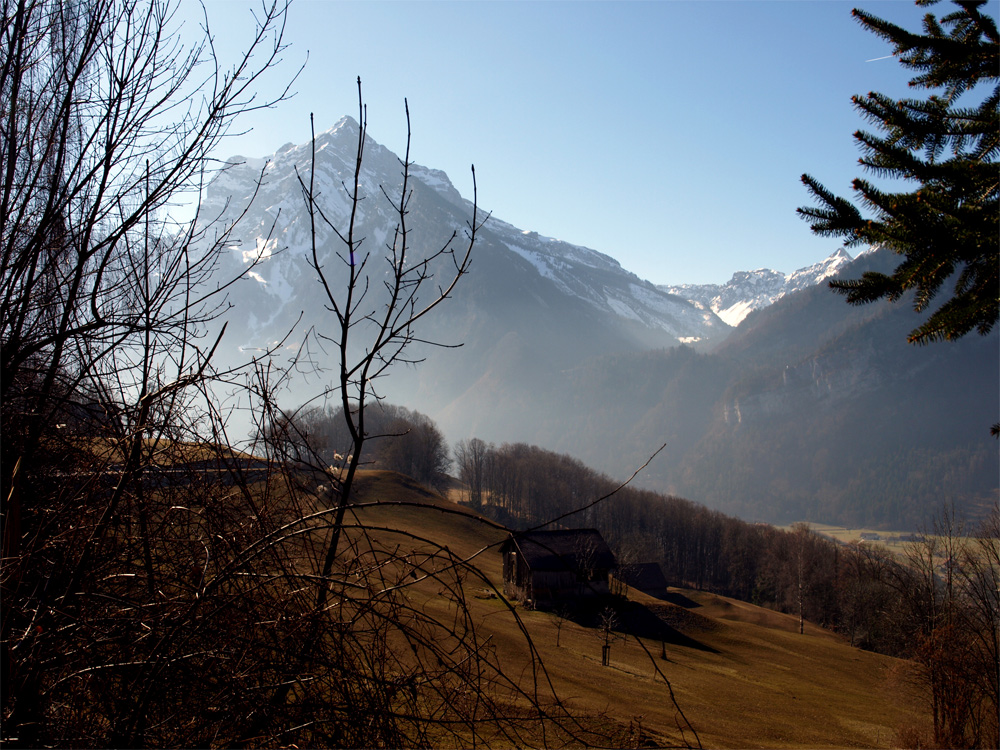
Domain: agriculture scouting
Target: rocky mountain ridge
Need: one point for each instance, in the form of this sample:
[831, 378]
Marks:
[685, 313]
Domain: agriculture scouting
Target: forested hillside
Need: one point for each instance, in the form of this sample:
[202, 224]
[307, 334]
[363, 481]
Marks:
[811, 410]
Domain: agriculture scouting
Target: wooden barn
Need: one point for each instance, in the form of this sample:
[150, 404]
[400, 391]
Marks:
[542, 568]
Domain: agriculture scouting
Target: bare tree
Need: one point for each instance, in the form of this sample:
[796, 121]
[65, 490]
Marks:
[980, 583]
[801, 531]
[607, 625]
[388, 671]
[628, 566]
[419, 687]
[561, 614]
[953, 598]
[109, 120]
[385, 318]
[471, 457]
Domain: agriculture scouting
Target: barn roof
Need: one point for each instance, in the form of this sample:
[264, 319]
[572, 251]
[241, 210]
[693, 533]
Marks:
[569, 549]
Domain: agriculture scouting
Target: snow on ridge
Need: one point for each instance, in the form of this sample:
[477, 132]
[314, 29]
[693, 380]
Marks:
[254, 163]
[819, 272]
[552, 247]
[653, 296]
[620, 302]
[735, 314]
[536, 260]
[622, 294]
[345, 122]
[433, 178]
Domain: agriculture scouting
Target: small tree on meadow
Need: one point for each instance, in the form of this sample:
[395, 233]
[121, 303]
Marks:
[607, 624]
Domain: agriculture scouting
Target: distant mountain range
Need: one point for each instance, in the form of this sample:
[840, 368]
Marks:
[776, 400]
[747, 291]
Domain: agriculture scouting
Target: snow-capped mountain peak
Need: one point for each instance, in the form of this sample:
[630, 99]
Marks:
[553, 269]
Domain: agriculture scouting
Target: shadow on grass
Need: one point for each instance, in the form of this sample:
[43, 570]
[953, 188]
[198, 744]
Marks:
[675, 597]
[632, 618]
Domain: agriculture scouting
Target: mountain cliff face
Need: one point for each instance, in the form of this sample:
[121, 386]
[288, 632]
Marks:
[531, 306]
[809, 410]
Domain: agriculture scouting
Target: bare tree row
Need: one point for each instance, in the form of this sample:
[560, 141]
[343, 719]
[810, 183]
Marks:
[401, 440]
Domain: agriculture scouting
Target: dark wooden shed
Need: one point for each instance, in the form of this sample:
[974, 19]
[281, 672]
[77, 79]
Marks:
[542, 568]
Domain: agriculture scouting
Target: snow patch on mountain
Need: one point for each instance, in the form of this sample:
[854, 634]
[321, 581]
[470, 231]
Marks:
[622, 309]
[439, 182]
[265, 249]
[543, 265]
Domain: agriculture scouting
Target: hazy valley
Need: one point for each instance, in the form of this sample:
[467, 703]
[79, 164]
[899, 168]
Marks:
[809, 409]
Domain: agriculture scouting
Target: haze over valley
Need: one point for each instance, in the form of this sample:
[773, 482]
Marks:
[775, 400]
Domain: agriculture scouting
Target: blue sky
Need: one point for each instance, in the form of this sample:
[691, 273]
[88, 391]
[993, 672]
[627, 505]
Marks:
[670, 135]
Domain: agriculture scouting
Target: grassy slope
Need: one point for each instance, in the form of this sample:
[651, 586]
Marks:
[742, 675]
